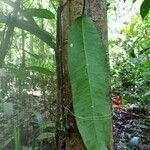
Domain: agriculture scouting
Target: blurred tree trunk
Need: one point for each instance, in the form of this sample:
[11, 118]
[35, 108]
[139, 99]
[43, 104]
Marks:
[69, 10]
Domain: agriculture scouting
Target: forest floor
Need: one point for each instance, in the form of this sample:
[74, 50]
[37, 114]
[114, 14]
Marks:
[131, 127]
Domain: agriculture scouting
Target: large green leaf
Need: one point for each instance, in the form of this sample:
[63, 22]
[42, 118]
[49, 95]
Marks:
[89, 77]
[40, 13]
[144, 9]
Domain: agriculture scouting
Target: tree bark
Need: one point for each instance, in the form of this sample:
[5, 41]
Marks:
[70, 10]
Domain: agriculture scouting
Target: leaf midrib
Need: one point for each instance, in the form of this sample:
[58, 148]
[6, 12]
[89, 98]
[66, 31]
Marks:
[88, 74]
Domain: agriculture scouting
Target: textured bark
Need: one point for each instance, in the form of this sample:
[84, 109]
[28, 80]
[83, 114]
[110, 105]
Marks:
[70, 10]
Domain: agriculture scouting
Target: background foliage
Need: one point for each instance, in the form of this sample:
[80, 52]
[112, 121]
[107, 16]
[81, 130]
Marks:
[27, 66]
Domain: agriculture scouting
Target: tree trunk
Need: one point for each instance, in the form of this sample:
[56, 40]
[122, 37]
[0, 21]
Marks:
[69, 11]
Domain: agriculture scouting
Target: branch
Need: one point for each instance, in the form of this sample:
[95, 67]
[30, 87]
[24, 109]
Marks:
[20, 10]
[30, 27]
[8, 34]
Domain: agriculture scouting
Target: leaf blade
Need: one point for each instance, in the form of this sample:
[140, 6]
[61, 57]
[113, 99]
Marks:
[144, 9]
[40, 13]
[89, 75]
